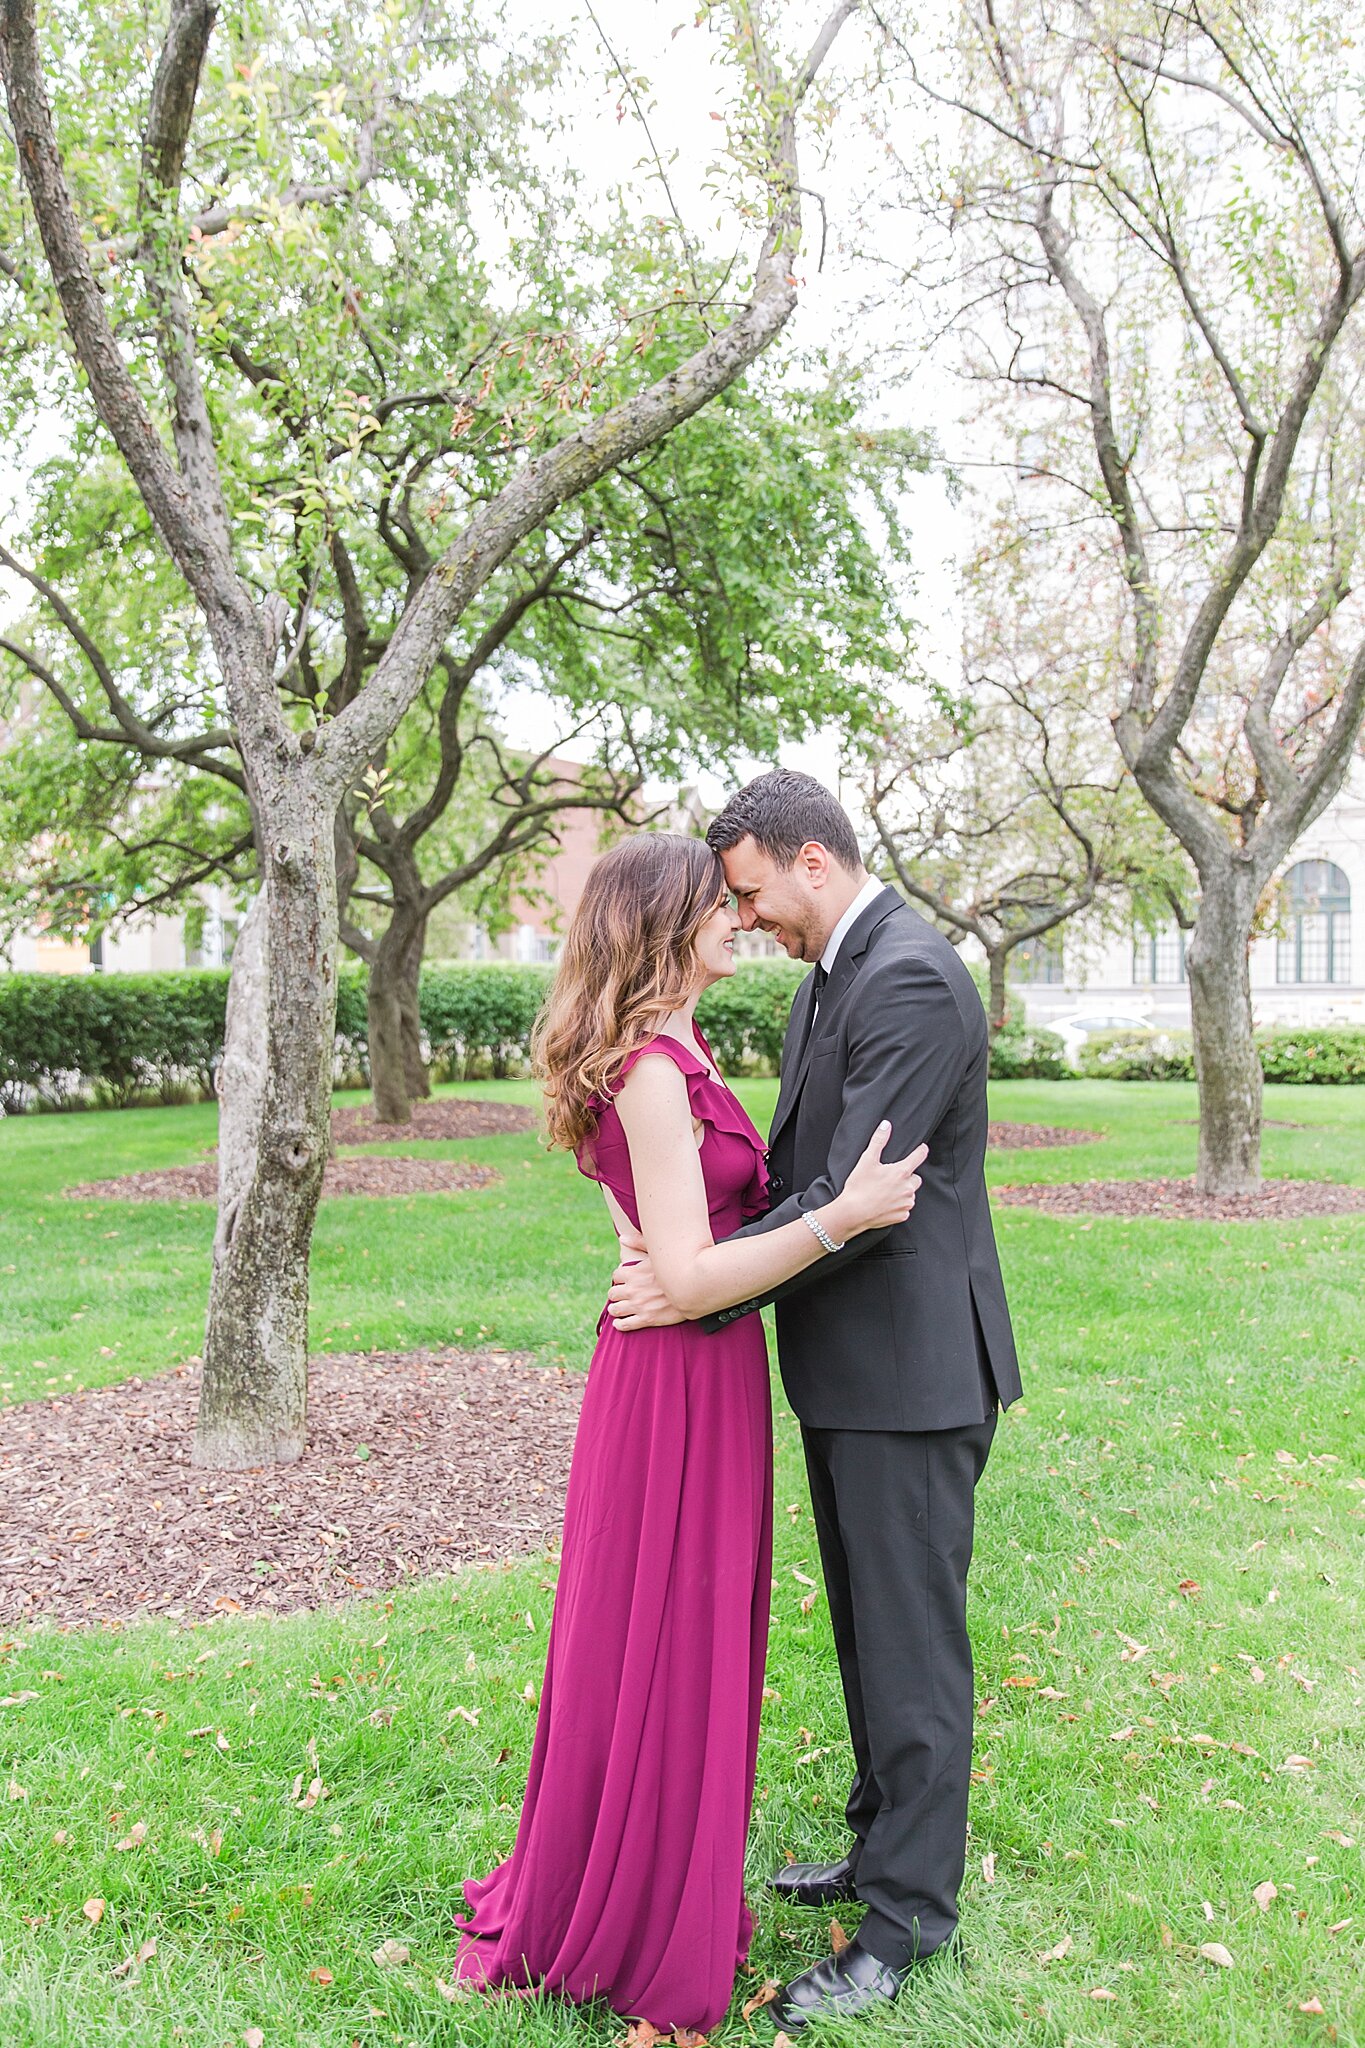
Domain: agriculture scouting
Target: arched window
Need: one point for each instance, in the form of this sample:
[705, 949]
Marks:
[1315, 908]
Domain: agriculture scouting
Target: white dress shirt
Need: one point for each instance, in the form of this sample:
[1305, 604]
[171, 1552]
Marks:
[869, 893]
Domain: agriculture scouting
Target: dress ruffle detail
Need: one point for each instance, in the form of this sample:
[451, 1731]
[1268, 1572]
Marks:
[713, 1104]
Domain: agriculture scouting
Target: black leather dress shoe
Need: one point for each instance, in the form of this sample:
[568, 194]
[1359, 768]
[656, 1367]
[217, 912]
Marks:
[815, 1884]
[839, 1988]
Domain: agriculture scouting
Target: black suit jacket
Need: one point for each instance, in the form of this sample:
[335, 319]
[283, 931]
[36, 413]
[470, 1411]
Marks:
[881, 1335]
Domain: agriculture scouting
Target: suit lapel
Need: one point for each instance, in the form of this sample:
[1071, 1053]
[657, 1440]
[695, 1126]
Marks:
[845, 970]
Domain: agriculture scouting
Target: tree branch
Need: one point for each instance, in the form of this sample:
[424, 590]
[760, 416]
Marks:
[170, 112]
[187, 527]
[197, 749]
[596, 448]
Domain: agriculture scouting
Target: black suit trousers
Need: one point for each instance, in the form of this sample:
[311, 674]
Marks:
[894, 1513]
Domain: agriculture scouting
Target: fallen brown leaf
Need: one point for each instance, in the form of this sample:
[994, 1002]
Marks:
[391, 1955]
[135, 1837]
[988, 1867]
[838, 1940]
[144, 1955]
[319, 1976]
[1314, 2005]
[254, 2037]
[1214, 1952]
[1265, 1895]
[760, 1999]
[93, 1910]
[1054, 1955]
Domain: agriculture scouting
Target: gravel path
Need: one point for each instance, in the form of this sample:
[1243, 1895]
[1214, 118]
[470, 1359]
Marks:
[416, 1462]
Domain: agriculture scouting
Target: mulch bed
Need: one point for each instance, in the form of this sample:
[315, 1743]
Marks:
[1177, 1199]
[416, 1462]
[383, 1173]
[1029, 1137]
[446, 1116]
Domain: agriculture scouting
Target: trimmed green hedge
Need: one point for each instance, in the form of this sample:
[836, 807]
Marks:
[1136, 1056]
[111, 1038]
[71, 1040]
[1330, 1055]
[745, 1016]
[479, 1018]
[66, 1040]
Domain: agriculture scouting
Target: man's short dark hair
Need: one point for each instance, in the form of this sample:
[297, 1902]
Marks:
[780, 812]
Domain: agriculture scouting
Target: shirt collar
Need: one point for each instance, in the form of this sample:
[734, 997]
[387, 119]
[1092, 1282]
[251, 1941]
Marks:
[869, 893]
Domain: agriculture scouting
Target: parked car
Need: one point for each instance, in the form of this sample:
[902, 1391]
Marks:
[1078, 1025]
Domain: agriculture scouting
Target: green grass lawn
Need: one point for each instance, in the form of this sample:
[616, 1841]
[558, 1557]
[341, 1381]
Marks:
[1167, 1614]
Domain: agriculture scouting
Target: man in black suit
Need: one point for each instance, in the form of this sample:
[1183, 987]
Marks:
[895, 1353]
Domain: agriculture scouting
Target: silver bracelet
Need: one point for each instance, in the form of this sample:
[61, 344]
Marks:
[808, 1216]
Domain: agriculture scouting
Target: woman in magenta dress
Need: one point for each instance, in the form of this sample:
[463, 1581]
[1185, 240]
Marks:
[626, 1879]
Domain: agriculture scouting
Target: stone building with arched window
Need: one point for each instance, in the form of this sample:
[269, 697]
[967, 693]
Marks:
[1307, 965]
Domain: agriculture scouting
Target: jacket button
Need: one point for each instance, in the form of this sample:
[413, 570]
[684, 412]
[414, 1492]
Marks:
[776, 1183]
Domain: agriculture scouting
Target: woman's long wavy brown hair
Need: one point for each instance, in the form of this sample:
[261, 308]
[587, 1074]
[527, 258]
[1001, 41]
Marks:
[629, 960]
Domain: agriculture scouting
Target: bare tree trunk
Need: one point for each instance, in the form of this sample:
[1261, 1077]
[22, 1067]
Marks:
[388, 1062]
[1226, 1063]
[410, 1003]
[398, 1070]
[253, 1403]
[996, 959]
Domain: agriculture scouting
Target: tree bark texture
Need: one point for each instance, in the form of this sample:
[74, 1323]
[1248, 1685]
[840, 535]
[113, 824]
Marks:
[282, 1018]
[398, 1068]
[1226, 1063]
[997, 960]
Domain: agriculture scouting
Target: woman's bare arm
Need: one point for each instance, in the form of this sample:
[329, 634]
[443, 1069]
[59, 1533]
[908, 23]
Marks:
[696, 1273]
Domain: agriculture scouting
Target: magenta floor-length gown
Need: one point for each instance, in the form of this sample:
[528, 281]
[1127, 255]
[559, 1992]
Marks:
[626, 1881]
